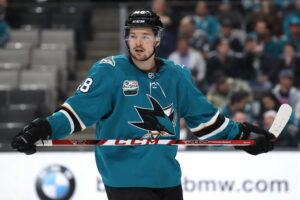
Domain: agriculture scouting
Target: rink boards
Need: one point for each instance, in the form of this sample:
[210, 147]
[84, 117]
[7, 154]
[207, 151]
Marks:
[205, 175]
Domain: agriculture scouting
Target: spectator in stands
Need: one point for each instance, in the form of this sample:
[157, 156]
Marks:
[268, 101]
[168, 41]
[223, 87]
[239, 116]
[250, 5]
[238, 102]
[289, 135]
[285, 91]
[263, 35]
[4, 33]
[168, 18]
[293, 35]
[228, 14]
[291, 17]
[289, 60]
[204, 21]
[222, 59]
[197, 38]
[3, 3]
[285, 6]
[253, 10]
[256, 65]
[185, 55]
[272, 16]
[227, 32]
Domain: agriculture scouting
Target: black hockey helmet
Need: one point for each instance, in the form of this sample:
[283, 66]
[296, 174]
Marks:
[144, 18]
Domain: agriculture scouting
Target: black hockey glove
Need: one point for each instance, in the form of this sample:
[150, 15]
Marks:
[263, 139]
[36, 130]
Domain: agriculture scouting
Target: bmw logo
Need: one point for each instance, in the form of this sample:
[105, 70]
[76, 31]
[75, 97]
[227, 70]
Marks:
[55, 182]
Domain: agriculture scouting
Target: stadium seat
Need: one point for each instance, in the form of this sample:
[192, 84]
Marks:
[22, 113]
[72, 21]
[12, 119]
[67, 20]
[41, 80]
[33, 79]
[36, 17]
[14, 59]
[3, 97]
[83, 9]
[58, 37]
[10, 66]
[54, 46]
[18, 45]
[27, 97]
[9, 79]
[48, 59]
[38, 98]
[7, 132]
[25, 36]
[60, 40]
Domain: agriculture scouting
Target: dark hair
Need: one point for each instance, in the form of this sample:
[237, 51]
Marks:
[291, 45]
[219, 76]
[238, 96]
[271, 96]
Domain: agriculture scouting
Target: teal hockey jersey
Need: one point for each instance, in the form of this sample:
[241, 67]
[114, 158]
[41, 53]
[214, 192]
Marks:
[127, 103]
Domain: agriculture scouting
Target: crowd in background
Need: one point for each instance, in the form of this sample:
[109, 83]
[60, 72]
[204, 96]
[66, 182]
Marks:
[243, 56]
[244, 59]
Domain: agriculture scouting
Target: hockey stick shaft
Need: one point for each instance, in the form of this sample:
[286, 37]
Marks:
[139, 142]
[278, 125]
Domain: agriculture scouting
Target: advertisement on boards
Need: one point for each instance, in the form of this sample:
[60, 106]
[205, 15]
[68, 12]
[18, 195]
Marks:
[205, 175]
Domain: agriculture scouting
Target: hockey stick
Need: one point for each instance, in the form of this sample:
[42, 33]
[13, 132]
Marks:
[278, 125]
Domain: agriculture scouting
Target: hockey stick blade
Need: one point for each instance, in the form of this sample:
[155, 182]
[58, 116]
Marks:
[281, 119]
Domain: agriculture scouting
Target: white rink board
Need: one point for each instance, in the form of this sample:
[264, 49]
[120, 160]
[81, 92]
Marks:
[206, 175]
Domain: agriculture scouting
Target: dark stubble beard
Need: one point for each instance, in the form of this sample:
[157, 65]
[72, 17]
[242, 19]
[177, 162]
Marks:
[133, 56]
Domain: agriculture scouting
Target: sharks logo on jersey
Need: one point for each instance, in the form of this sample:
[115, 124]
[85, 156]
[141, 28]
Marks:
[158, 121]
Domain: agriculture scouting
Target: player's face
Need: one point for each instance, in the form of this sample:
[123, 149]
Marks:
[141, 43]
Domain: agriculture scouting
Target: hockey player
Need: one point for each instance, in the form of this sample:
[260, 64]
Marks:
[139, 96]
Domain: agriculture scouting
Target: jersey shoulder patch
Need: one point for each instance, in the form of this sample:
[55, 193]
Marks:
[108, 60]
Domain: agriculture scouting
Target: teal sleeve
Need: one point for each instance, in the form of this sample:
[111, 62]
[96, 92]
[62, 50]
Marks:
[202, 118]
[60, 125]
[91, 101]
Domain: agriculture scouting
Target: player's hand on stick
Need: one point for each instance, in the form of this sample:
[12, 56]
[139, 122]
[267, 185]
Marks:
[263, 139]
[31, 133]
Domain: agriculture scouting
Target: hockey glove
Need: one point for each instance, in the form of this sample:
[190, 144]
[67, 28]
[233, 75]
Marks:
[263, 139]
[36, 130]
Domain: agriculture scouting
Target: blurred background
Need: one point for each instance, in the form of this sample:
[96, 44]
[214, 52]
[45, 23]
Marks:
[243, 55]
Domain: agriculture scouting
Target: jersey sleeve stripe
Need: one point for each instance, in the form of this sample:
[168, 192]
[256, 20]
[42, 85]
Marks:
[208, 129]
[66, 105]
[206, 124]
[69, 118]
[215, 132]
[75, 122]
